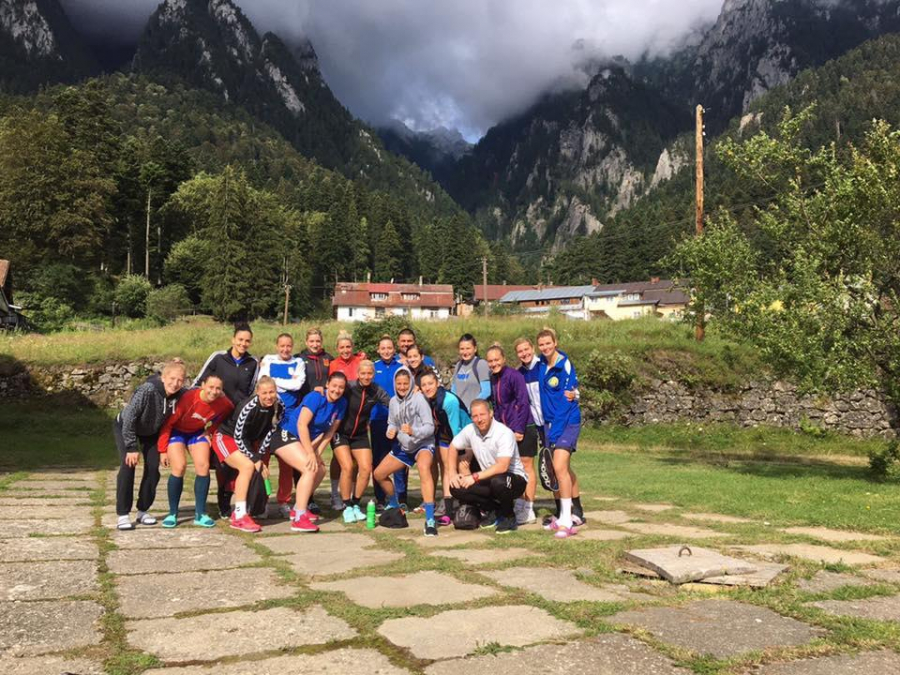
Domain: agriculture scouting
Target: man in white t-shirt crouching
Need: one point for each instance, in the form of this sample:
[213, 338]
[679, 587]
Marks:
[499, 477]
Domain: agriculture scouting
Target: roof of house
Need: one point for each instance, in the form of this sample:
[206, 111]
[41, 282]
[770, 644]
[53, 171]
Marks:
[4, 271]
[663, 291]
[352, 294]
[547, 293]
[497, 291]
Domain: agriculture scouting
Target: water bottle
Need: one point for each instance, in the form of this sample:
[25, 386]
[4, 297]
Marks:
[370, 515]
[268, 486]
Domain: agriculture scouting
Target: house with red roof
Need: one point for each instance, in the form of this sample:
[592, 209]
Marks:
[368, 301]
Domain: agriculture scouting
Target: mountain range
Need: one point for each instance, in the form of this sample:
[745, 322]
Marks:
[567, 166]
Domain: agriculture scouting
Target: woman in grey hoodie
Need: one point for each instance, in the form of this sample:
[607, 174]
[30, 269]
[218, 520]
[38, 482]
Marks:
[410, 421]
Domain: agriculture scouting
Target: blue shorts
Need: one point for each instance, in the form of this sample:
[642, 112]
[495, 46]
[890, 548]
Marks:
[568, 439]
[408, 459]
[188, 438]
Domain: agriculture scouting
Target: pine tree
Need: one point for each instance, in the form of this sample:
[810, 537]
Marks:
[388, 254]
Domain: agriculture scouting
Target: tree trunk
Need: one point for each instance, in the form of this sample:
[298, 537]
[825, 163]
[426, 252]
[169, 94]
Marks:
[147, 237]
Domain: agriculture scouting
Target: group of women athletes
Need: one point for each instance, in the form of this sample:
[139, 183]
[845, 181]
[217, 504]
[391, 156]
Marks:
[379, 416]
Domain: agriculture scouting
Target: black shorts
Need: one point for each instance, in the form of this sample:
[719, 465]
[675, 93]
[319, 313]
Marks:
[528, 446]
[280, 439]
[358, 442]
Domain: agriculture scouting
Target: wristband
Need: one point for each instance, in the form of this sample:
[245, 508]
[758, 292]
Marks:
[475, 476]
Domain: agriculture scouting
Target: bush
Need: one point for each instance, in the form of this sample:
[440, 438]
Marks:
[367, 334]
[168, 303]
[46, 314]
[66, 283]
[131, 296]
[186, 264]
[885, 464]
[610, 371]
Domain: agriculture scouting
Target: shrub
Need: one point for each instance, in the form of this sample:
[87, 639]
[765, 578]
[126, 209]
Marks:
[186, 264]
[168, 303]
[45, 313]
[367, 334]
[610, 371]
[885, 463]
[131, 295]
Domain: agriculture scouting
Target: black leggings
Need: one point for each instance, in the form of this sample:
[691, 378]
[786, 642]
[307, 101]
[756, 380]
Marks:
[125, 479]
[497, 494]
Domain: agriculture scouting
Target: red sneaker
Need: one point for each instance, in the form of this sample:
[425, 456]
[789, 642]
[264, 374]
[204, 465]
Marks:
[304, 524]
[314, 517]
[245, 524]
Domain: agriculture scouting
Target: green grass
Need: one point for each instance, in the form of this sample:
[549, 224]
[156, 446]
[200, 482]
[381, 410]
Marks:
[659, 348]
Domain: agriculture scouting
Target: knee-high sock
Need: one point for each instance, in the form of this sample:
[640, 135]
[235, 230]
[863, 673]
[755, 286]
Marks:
[174, 488]
[201, 492]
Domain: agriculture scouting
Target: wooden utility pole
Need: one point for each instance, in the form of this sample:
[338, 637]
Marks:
[147, 237]
[700, 331]
[487, 305]
[285, 279]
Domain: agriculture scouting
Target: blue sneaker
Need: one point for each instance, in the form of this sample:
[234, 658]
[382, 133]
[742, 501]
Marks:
[170, 521]
[202, 520]
[349, 515]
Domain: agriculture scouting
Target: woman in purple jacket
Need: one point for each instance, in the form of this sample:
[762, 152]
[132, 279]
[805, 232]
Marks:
[509, 396]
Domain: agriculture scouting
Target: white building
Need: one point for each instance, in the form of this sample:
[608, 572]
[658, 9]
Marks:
[368, 301]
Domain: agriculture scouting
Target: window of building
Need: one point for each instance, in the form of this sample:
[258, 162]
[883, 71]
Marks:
[409, 296]
[375, 297]
[636, 314]
[379, 312]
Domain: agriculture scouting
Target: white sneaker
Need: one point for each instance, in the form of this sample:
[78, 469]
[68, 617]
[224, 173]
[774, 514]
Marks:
[530, 517]
[337, 503]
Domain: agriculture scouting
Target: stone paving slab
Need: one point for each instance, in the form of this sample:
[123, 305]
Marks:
[156, 537]
[871, 663]
[152, 596]
[488, 556]
[409, 590]
[153, 561]
[47, 548]
[667, 530]
[559, 585]
[824, 582]
[40, 487]
[59, 502]
[890, 575]
[602, 535]
[609, 517]
[764, 575]
[604, 655]
[715, 518]
[326, 543]
[722, 628]
[210, 637]
[823, 554]
[335, 662]
[74, 475]
[879, 609]
[32, 628]
[461, 631]
[47, 580]
[834, 536]
[654, 508]
[681, 564]
[43, 512]
[315, 563]
[449, 537]
[11, 529]
[48, 665]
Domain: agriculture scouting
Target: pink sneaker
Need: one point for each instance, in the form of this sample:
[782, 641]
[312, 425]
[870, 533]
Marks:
[245, 524]
[304, 524]
[314, 517]
[565, 532]
[552, 526]
[443, 521]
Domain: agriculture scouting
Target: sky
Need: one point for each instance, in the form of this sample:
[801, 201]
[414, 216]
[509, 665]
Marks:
[464, 64]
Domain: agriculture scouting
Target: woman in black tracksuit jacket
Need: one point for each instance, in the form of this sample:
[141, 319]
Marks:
[351, 443]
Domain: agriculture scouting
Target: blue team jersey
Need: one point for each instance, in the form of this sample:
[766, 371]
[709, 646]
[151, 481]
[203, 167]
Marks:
[284, 370]
[325, 413]
[384, 378]
[558, 411]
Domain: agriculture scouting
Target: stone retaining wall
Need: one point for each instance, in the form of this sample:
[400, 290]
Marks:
[862, 413]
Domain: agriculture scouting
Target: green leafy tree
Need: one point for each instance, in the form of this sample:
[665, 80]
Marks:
[131, 295]
[186, 264]
[168, 303]
[814, 280]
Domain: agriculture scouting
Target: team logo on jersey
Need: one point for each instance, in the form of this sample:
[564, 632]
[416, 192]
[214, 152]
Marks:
[325, 362]
[553, 382]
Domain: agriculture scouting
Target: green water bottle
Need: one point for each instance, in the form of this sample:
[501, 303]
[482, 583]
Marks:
[370, 515]
[268, 486]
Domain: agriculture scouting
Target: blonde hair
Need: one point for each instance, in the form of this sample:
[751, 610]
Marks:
[522, 341]
[174, 364]
[344, 335]
[265, 379]
[496, 347]
[546, 331]
[313, 331]
[365, 363]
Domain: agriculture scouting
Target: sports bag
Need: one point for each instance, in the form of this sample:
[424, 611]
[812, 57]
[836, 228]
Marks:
[466, 518]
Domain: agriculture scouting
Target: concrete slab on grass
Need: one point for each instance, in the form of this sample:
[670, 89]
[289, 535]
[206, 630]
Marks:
[65, 504]
[47, 548]
[487, 556]
[32, 628]
[337, 662]
[409, 590]
[330, 553]
[890, 575]
[326, 543]
[47, 580]
[824, 582]
[715, 518]
[210, 637]
[450, 537]
[681, 564]
[764, 575]
[461, 631]
[22, 528]
[654, 508]
[42, 512]
[819, 554]
[668, 530]
[834, 536]
[592, 534]
[722, 628]
[48, 665]
[878, 609]
[157, 595]
[874, 663]
[157, 537]
[154, 561]
[604, 655]
[559, 585]
[609, 517]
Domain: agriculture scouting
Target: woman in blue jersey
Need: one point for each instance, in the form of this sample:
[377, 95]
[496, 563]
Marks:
[562, 424]
[309, 429]
[450, 416]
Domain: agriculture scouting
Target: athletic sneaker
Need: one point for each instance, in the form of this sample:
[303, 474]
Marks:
[358, 514]
[419, 509]
[349, 516]
[526, 517]
[440, 509]
[506, 525]
[443, 521]
[204, 520]
[565, 532]
[170, 521]
[403, 507]
[550, 523]
[314, 508]
[145, 519]
[245, 524]
[304, 524]
[225, 512]
[430, 529]
[337, 503]
[489, 519]
[285, 511]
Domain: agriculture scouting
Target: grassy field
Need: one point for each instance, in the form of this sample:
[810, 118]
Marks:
[659, 348]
